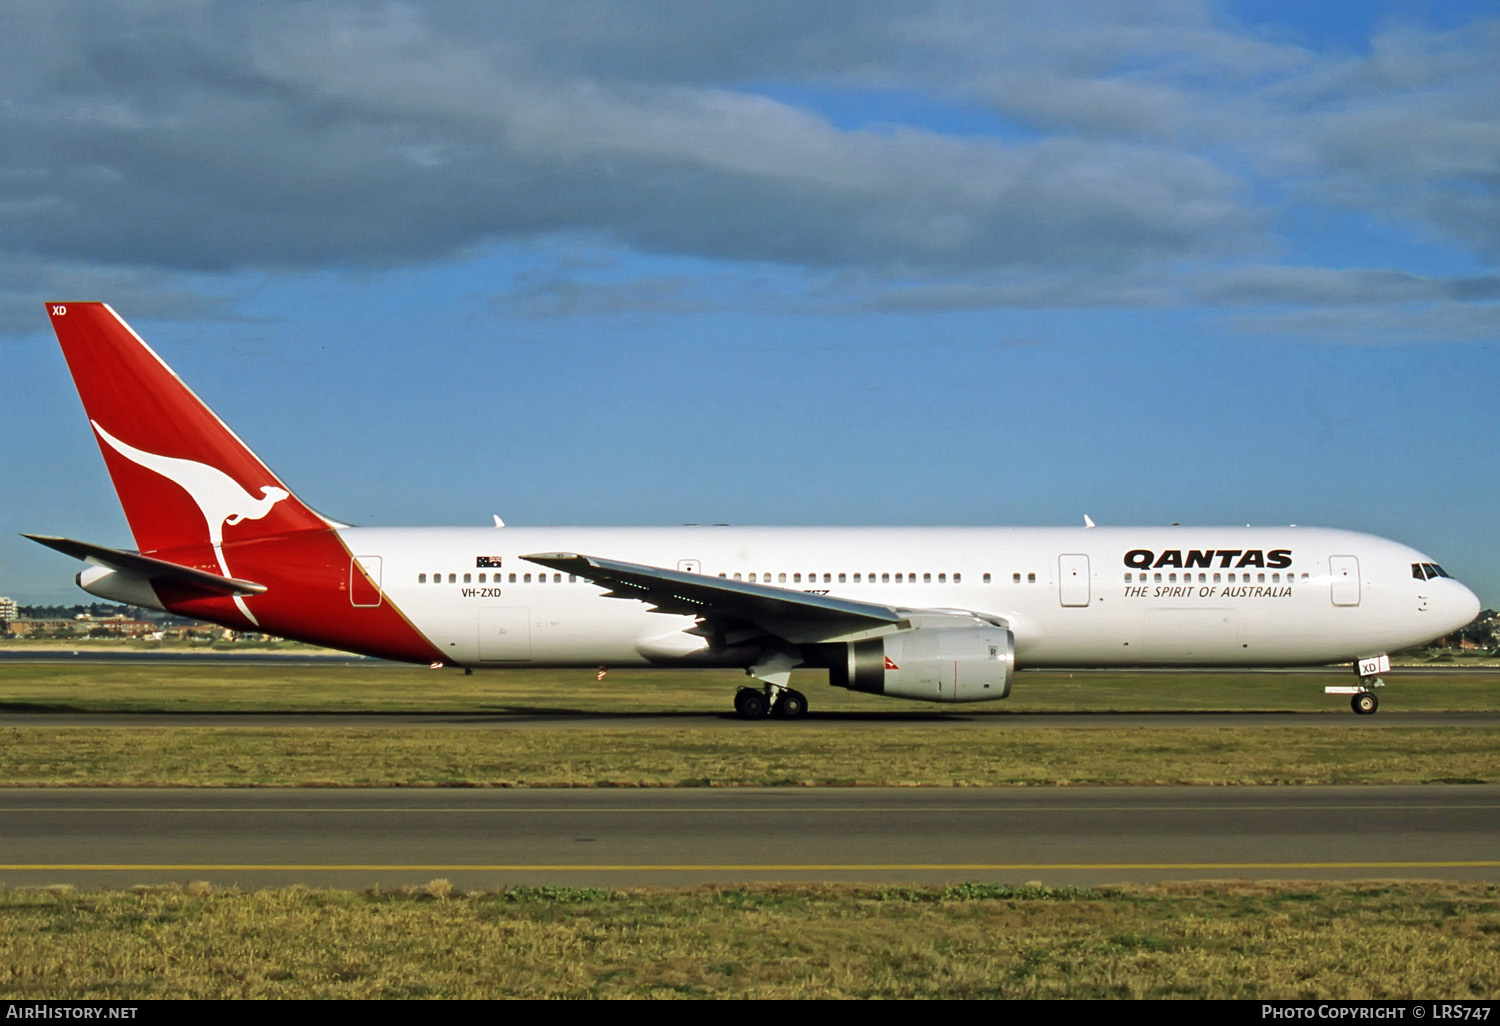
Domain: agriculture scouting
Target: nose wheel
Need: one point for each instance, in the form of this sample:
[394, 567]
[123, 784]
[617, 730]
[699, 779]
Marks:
[1364, 703]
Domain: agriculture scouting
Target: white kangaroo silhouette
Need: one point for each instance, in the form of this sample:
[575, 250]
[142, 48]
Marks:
[220, 498]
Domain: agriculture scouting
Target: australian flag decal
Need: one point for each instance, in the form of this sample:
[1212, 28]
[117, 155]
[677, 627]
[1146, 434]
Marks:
[484, 561]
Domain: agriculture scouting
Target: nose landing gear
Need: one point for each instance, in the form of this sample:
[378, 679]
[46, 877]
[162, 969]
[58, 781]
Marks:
[1362, 697]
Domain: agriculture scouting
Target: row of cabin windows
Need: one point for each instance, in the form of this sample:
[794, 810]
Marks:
[523, 578]
[781, 578]
[1260, 578]
[846, 578]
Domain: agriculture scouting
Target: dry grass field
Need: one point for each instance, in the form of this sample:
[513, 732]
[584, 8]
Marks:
[757, 756]
[190, 685]
[1286, 941]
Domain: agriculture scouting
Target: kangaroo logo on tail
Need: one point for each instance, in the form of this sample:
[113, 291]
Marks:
[219, 497]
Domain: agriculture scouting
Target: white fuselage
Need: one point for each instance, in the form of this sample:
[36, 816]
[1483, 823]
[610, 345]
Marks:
[1072, 597]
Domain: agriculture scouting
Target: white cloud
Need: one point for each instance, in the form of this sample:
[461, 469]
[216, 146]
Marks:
[1135, 151]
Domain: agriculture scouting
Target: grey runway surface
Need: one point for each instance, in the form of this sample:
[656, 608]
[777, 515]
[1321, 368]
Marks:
[481, 719]
[676, 837]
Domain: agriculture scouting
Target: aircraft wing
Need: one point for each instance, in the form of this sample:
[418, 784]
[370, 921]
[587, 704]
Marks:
[797, 616]
[154, 570]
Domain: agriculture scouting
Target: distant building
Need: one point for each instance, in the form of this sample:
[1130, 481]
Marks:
[78, 628]
[7, 613]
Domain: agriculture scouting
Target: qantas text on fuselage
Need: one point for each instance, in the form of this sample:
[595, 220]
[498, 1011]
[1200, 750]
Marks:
[1145, 559]
[945, 614]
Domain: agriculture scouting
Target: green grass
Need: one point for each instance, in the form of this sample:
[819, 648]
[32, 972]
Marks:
[389, 687]
[754, 755]
[934, 745]
[1261, 941]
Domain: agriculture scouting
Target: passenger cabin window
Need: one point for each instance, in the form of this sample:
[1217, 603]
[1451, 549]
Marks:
[986, 578]
[453, 578]
[421, 578]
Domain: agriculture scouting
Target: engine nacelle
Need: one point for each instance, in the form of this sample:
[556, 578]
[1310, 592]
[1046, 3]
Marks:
[962, 664]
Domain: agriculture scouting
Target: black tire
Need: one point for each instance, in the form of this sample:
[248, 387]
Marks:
[1365, 703]
[750, 703]
[792, 705]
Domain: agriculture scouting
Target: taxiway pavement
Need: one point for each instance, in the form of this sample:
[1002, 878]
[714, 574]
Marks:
[356, 838]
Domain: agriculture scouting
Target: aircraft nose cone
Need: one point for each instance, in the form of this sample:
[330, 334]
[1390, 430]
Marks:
[1461, 606]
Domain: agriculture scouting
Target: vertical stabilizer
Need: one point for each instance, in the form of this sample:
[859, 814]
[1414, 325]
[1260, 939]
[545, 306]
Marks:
[185, 480]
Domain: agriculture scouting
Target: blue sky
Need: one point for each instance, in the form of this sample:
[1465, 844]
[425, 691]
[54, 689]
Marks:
[775, 263]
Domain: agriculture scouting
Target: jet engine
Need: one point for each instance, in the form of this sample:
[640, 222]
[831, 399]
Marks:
[965, 664]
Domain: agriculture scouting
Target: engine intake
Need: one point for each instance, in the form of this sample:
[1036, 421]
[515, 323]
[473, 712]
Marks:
[968, 664]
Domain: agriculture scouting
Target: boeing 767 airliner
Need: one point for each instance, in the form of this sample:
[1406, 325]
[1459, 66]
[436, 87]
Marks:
[940, 614]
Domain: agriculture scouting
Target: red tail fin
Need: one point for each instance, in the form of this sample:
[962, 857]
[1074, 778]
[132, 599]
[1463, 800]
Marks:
[186, 481]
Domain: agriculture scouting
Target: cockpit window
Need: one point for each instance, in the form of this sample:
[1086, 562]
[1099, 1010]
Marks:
[1427, 571]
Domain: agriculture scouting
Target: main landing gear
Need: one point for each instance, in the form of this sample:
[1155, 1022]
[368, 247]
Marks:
[784, 703]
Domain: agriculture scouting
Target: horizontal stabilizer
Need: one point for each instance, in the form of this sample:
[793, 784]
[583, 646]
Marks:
[157, 571]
